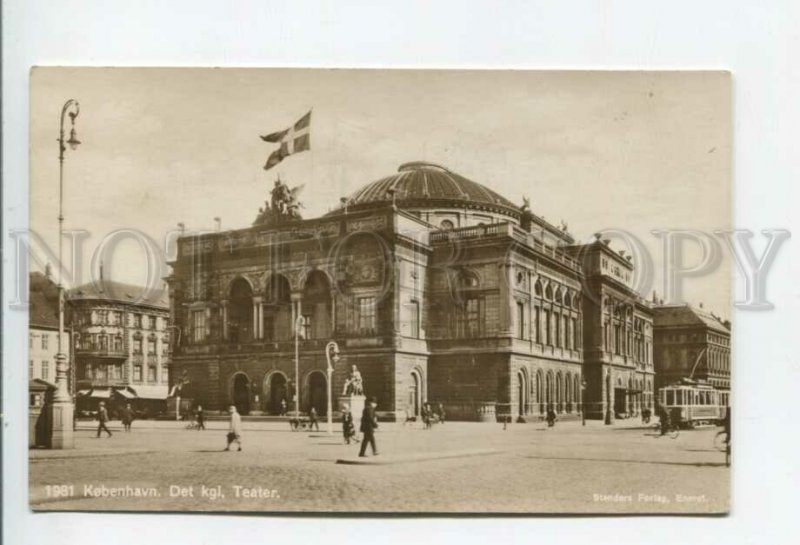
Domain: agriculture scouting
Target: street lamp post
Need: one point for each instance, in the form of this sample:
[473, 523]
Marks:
[298, 323]
[63, 409]
[331, 353]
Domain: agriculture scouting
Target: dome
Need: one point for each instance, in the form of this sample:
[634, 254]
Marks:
[419, 185]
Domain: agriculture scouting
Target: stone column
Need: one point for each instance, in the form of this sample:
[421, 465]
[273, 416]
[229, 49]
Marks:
[258, 326]
[333, 313]
[224, 318]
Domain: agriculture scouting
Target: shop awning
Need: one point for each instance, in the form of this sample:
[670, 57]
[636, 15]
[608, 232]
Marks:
[126, 394]
[100, 393]
[82, 393]
[151, 392]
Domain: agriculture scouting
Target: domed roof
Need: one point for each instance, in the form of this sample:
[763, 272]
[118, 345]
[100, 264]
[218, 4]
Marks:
[422, 185]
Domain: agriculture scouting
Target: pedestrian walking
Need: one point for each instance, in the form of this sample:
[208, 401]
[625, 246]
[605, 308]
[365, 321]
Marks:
[127, 417]
[283, 407]
[200, 416]
[551, 417]
[426, 415]
[312, 419]
[440, 410]
[369, 423]
[348, 428]
[235, 429]
[102, 418]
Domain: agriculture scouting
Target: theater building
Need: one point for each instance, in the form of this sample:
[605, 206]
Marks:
[692, 343]
[437, 288]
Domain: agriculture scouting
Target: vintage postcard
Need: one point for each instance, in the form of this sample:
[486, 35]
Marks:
[379, 291]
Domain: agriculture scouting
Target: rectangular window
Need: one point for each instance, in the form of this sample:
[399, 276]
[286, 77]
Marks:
[520, 320]
[165, 374]
[151, 346]
[473, 318]
[366, 315]
[118, 343]
[87, 372]
[151, 373]
[116, 372]
[137, 373]
[137, 346]
[45, 370]
[575, 341]
[567, 336]
[548, 340]
[30, 369]
[137, 320]
[44, 341]
[413, 317]
[557, 324]
[198, 325]
[305, 326]
[537, 324]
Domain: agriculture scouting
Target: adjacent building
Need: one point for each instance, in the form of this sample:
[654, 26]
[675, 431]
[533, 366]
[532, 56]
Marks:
[121, 340]
[618, 335]
[692, 343]
[43, 328]
[437, 288]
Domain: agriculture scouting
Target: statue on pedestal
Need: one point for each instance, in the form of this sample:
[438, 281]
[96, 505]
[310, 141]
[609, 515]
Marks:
[354, 385]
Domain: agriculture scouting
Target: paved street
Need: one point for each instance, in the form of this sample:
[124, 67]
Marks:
[455, 467]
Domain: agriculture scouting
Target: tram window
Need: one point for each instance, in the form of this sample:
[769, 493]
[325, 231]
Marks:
[670, 397]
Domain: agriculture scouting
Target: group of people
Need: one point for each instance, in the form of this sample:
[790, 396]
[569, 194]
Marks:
[126, 416]
[430, 416]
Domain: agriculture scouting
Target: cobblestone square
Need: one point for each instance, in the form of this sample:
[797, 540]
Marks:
[453, 468]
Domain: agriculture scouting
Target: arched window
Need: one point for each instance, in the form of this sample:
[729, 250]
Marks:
[277, 317]
[538, 288]
[446, 225]
[568, 396]
[548, 293]
[240, 311]
[540, 395]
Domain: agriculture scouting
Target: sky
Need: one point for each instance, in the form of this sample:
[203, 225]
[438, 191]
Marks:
[636, 151]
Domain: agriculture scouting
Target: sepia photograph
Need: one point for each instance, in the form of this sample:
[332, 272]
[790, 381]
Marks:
[379, 291]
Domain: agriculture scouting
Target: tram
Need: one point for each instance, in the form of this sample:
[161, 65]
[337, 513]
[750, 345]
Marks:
[691, 403]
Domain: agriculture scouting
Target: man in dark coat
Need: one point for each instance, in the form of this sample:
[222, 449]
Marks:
[127, 417]
[369, 423]
[102, 418]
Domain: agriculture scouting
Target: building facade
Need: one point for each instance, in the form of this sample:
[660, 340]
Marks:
[692, 343]
[618, 335]
[121, 340]
[43, 328]
[437, 288]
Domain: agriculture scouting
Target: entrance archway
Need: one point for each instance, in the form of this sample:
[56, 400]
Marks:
[275, 390]
[522, 393]
[241, 393]
[317, 392]
[415, 393]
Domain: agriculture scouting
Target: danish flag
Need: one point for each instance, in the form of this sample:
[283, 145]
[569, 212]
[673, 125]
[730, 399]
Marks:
[295, 139]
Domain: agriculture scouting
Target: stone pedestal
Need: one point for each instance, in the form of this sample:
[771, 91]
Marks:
[487, 411]
[356, 404]
[61, 416]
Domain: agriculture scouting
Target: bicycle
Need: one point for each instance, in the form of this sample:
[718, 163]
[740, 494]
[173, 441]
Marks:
[672, 431]
[723, 444]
